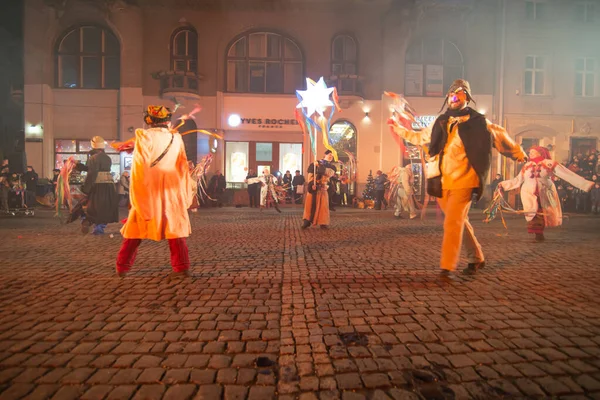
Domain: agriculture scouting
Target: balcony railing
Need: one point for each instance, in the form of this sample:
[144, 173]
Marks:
[178, 81]
[348, 85]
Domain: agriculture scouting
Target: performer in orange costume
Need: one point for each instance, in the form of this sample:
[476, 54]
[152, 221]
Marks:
[161, 192]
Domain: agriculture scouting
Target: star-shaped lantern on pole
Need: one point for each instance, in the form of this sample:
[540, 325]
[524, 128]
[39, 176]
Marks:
[316, 97]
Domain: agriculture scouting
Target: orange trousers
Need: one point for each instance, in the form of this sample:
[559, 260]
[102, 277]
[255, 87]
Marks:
[455, 203]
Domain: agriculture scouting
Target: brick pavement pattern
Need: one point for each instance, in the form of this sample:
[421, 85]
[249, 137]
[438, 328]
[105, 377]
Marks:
[272, 311]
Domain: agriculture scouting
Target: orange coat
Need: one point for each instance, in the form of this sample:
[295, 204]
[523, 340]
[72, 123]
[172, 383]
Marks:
[160, 195]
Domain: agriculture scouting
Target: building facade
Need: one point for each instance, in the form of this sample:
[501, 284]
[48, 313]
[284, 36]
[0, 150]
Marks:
[549, 75]
[92, 67]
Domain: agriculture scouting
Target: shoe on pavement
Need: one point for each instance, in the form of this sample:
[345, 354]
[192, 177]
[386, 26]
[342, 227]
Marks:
[181, 274]
[306, 224]
[539, 237]
[446, 276]
[472, 268]
[85, 227]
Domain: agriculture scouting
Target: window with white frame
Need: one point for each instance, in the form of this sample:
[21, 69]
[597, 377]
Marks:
[584, 11]
[534, 75]
[534, 9]
[88, 57]
[585, 77]
[264, 62]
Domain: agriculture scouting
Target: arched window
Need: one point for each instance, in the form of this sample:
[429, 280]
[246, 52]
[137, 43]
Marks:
[184, 56]
[431, 67]
[264, 62]
[88, 57]
[344, 63]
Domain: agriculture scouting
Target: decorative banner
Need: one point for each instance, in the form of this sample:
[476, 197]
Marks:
[312, 115]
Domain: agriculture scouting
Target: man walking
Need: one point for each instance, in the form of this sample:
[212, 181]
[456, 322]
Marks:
[460, 144]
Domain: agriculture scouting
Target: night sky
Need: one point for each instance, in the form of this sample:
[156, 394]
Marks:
[11, 74]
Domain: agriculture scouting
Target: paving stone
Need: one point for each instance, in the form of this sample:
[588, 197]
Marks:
[99, 392]
[180, 392]
[287, 297]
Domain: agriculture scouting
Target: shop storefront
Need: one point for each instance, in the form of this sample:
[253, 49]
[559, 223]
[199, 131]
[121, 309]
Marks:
[79, 149]
[260, 133]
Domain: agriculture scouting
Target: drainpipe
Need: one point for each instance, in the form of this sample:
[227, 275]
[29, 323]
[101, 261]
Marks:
[502, 72]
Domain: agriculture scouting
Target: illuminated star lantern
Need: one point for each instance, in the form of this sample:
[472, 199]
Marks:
[316, 97]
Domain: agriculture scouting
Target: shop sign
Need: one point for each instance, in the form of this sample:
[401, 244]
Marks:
[269, 123]
[423, 121]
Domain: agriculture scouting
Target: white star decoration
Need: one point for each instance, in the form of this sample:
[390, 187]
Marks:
[316, 97]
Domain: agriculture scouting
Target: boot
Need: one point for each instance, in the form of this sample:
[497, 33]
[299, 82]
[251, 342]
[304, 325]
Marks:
[473, 267]
[85, 227]
[445, 276]
[539, 237]
[306, 224]
[277, 207]
[99, 229]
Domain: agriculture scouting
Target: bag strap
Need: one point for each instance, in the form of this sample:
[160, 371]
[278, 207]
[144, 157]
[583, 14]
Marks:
[164, 153]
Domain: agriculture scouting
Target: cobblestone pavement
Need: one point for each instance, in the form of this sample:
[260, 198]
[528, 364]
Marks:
[273, 311]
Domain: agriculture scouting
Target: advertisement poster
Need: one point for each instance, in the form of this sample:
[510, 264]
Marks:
[434, 80]
[413, 81]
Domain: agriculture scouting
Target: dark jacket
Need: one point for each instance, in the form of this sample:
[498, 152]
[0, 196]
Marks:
[31, 180]
[252, 186]
[380, 182]
[287, 179]
[298, 181]
[217, 184]
[102, 198]
[476, 139]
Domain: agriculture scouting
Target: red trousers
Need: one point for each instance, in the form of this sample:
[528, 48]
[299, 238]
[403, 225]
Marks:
[180, 260]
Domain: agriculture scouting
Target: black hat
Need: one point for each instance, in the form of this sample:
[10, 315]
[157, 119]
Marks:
[459, 84]
[327, 152]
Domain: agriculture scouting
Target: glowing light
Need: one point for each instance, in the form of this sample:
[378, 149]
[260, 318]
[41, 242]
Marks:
[316, 97]
[234, 120]
[482, 111]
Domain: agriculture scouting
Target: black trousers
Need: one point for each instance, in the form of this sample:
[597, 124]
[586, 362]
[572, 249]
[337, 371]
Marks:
[380, 198]
[254, 200]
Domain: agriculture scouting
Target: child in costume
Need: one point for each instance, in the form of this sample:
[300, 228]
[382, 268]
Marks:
[268, 182]
[161, 193]
[539, 196]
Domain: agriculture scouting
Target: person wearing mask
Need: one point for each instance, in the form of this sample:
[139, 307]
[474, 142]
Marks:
[459, 144]
[541, 203]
